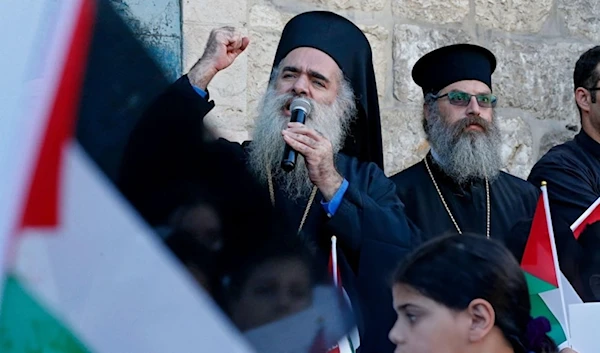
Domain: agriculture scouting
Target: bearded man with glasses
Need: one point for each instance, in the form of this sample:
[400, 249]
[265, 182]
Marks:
[459, 185]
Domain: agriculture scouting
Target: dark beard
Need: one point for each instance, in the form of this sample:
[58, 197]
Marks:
[266, 149]
[462, 154]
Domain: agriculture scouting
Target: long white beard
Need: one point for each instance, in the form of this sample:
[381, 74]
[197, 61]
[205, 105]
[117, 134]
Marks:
[266, 149]
[465, 155]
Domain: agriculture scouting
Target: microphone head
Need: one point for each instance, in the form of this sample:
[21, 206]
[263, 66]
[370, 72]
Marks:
[302, 104]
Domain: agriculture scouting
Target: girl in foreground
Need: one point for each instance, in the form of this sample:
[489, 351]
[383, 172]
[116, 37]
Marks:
[465, 294]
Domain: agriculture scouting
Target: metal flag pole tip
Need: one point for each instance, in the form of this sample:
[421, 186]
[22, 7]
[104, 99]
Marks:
[544, 183]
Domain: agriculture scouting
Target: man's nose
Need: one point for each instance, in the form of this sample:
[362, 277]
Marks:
[473, 108]
[300, 87]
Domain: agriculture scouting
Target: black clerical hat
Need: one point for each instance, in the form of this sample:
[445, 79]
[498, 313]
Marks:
[449, 64]
[347, 45]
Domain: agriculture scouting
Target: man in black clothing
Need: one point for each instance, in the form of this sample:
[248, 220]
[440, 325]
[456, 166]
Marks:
[572, 169]
[337, 187]
[459, 186]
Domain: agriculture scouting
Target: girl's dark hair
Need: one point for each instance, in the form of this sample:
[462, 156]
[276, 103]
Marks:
[456, 269]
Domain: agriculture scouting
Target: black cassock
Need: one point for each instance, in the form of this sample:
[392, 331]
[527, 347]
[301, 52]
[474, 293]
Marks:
[572, 171]
[166, 161]
[512, 200]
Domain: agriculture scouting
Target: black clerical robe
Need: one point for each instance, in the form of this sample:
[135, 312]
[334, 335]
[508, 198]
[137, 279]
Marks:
[513, 202]
[572, 171]
[166, 159]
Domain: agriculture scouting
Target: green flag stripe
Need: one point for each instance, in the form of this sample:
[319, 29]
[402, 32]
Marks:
[539, 308]
[536, 285]
[25, 326]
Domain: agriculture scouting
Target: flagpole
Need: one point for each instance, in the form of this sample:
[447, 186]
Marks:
[585, 215]
[555, 259]
[334, 260]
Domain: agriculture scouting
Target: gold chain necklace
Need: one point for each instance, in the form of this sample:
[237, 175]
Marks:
[487, 198]
[308, 205]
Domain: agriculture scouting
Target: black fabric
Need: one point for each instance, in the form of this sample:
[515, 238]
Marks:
[165, 162]
[349, 48]
[453, 63]
[572, 171]
[513, 201]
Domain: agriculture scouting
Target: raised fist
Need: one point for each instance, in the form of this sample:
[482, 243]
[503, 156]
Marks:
[224, 45]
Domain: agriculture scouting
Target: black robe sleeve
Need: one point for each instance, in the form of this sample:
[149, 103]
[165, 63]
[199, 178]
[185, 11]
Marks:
[571, 189]
[165, 162]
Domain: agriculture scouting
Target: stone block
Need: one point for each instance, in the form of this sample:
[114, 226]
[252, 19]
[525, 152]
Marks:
[517, 144]
[581, 17]
[265, 16]
[513, 15]
[215, 12]
[229, 123]
[433, 11]
[410, 43]
[364, 5]
[378, 38]
[536, 76]
[555, 137]
[404, 141]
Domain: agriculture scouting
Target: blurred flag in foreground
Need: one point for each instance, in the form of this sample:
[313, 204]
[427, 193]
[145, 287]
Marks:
[80, 270]
[549, 290]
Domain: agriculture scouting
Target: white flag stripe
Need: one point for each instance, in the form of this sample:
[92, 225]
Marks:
[111, 280]
[585, 215]
[334, 262]
[28, 67]
[555, 301]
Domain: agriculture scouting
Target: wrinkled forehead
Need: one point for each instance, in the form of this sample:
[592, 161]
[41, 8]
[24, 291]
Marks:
[311, 59]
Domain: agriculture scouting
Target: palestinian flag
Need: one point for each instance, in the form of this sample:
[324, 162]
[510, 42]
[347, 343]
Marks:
[351, 342]
[550, 292]
[81, 272]
[591, 215]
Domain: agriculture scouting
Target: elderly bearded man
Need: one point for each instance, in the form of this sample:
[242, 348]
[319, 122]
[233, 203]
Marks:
[459, 186]
[337, 188]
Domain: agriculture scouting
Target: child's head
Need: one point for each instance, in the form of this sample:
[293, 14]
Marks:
[462, 294]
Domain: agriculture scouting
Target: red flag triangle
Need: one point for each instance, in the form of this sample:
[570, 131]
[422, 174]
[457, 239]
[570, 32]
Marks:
[42, 200]
[538, 259]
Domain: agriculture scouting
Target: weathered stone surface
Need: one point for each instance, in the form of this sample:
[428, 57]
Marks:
[513, 15]
[378, 38]
[434, 11]
[536, 76]
[364, 5]
[265, 16]
[214, 12]
[261, 53]
[156, 24]
[404, 141]
[581, 17]
[410, 43]
[556, 137]
[229, 123]
[517, 145]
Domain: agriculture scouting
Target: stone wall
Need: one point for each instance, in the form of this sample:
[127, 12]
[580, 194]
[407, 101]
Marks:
[536, 42]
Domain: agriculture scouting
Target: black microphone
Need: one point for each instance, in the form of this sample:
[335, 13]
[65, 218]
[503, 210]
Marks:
[300, 109]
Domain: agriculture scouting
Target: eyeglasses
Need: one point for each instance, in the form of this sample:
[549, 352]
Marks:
[462, 99]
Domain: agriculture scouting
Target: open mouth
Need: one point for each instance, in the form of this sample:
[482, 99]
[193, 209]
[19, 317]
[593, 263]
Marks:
[474, 127]
[286, 108]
